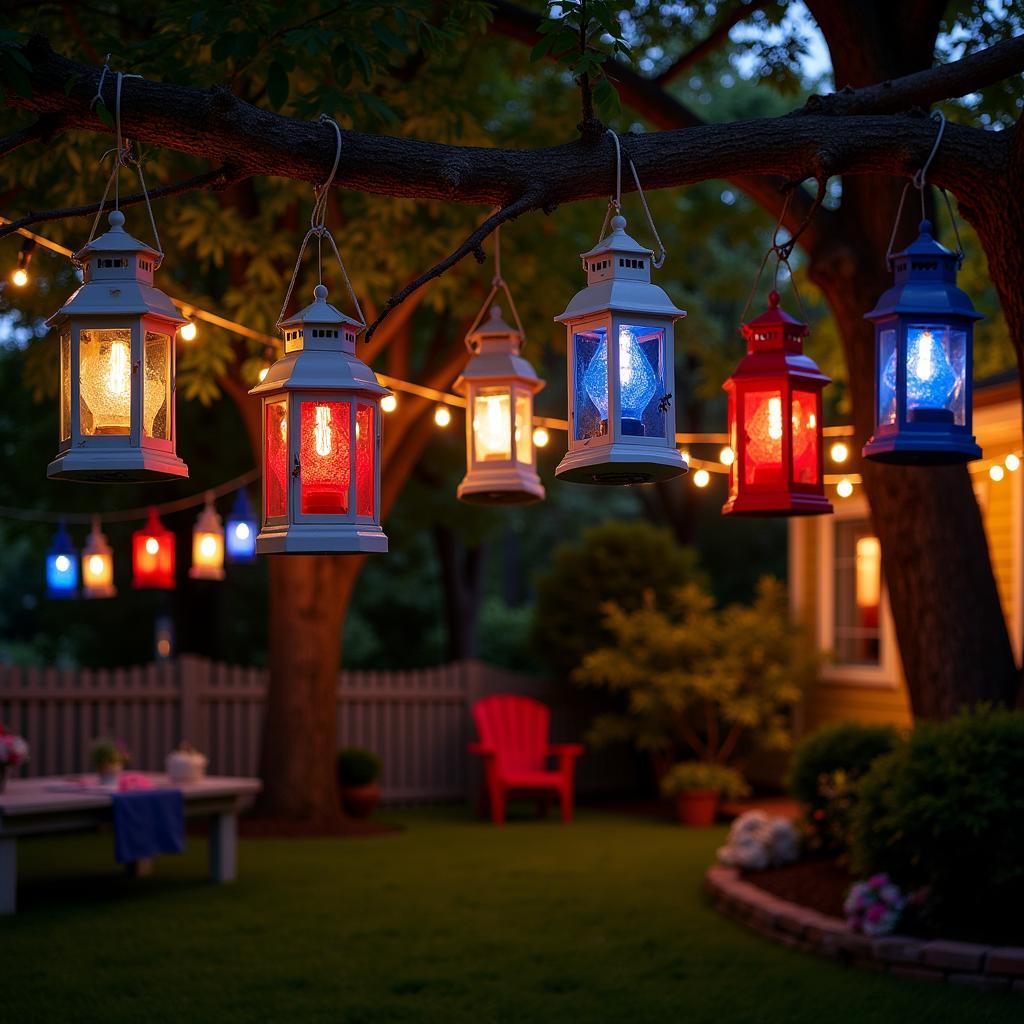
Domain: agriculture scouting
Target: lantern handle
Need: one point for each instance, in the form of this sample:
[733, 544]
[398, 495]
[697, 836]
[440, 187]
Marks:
[782, 251]
[615, 202]
[497, 282]
[318, 229]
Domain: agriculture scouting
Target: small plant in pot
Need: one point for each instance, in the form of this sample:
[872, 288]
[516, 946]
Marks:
[107, 757]
[698, 786]
[358, 774]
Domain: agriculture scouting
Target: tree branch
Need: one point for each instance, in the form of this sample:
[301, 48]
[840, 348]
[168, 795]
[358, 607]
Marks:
[472, 244]
[215, 179]
[39, 131]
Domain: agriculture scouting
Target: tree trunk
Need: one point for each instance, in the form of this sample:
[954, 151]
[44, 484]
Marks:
[462, 573]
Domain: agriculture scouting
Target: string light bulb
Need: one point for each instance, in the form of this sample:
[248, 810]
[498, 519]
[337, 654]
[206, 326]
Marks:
[189, 331]
[839, 452]
[19, 277]
[442, 416]
[541, 437]
[996, 472]
[844, 488]
[1012, 462]
[701, 478]
[389, 403]
[727, 456]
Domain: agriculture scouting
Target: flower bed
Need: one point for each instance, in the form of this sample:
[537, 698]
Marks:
[989, 968]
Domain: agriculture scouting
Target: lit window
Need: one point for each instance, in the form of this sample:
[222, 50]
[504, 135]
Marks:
[858, 594]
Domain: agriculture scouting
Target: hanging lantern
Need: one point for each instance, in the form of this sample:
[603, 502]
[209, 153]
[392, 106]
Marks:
[924, 327]
[321, 439]
[775, 428]
[117, 334]
[240, 535]
[207, 545]
[97, 565]
[499, 385]
[621, 369]
[153, 556]
[61, 566]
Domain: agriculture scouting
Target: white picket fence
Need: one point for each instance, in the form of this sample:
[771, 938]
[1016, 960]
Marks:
[417, 721]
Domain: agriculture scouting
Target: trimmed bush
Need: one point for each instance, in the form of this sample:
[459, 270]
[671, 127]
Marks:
[357, 767]
[943, 814]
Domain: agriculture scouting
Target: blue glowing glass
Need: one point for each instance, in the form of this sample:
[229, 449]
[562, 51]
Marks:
[240, 531]
[61, 566]
[638, 380]
[932, 381]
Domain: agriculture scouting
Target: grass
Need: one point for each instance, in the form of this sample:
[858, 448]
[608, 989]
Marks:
[449, 921]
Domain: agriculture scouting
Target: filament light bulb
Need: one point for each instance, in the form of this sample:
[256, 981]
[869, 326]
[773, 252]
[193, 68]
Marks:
[208, 546]
[1012, 462]
[152, 546]
[119, 373]
[322, 430]
[19, 278]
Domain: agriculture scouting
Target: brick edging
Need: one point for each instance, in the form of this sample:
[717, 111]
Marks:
[988, 968]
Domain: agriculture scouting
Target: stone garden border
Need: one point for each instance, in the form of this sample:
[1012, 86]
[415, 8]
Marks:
[989, 968]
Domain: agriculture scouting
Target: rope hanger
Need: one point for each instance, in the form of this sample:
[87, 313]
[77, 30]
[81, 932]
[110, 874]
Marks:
[497, 282]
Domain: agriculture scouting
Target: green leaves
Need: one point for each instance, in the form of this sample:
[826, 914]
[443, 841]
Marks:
[277, 85]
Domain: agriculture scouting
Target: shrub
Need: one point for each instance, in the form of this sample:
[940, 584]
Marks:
[615, 561]
[357, 767]
[943, 815]
[826, 768]
[702, 775]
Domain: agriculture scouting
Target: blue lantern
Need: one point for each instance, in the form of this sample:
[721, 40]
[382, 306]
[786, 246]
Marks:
[61, 566]
[240, 535]
[923, 347]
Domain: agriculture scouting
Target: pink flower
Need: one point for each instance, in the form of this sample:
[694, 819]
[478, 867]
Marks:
[877, 881]
[875, 913]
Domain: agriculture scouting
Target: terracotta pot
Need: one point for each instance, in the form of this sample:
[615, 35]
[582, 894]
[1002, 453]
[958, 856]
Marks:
[697, 807]
[360, 801]
[109, 774]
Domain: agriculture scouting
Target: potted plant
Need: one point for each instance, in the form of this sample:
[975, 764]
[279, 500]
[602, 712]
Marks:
[107, 757]
[698, 786]
[13, 752]
[358, 772]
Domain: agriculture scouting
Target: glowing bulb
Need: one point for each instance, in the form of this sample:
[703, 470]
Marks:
[119, 373]
[541, 437]
[727, 456]
[95, 565]
[839, 452]
[388, 403]
[844, 488]
[208, 546]
[62, 563]
[685, 454]
[322, 431]
[1012, 462]
[931, 380]
[997, 473]
[442, 417]
[775, 418]
[263, 373]
[242, 531]
[152, 546]
[701, 478]
[19, 278]
[638, 380]
[189, 332]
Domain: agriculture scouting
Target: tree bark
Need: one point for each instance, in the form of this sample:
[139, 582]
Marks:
[462, 574]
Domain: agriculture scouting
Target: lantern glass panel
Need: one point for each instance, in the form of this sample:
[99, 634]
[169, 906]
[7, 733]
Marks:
[887, 406]
[97, 571]
[641, 380]
[492, 424]
[365, 448]
[935, 373]
[763, 427]
[590, 376]
[325, 457]
[65, 384]
[105, 380]
[524, 429]
[207, 550]
[805, 437]
[156, 393]
[275, 473]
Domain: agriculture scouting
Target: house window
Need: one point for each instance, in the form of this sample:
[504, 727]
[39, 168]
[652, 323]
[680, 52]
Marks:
[858, 594]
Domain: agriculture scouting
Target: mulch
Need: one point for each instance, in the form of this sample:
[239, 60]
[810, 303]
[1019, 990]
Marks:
[819, 884]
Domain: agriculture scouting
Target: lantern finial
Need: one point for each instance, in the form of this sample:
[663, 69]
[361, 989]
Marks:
[618, 222]
[116, 220]
[773, 299]
[320, 293]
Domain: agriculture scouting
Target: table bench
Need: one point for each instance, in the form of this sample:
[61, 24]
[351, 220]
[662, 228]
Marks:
[31, 807]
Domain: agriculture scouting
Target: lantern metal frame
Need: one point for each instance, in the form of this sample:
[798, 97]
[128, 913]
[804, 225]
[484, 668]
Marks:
[619, 294]
[117, 295]
[924, 295]
[775, 364]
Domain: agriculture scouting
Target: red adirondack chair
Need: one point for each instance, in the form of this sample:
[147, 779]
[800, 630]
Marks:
[514, 744]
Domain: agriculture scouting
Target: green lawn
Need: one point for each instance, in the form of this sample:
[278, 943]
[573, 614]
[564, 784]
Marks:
[449, 921]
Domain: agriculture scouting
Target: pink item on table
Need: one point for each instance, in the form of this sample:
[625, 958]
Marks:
[133, 780]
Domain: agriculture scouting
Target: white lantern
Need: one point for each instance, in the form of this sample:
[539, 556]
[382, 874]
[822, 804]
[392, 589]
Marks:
[117, 336]
[321, 439]
[621, 370]
[499, 385]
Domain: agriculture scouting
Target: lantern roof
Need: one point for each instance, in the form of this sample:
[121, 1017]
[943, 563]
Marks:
[242, 509]
[321, 313]
[208, 521]
[119, 291]
[153, 527]
[619, 280]
[924, 282]
[61, 541]
[96, 543]
[495, 356]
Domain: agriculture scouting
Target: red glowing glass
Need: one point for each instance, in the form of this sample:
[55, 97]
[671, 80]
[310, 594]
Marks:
[806, 455]
[275, 473]
[324, 457]
[153, 556]
[763, 430]
[364, 460]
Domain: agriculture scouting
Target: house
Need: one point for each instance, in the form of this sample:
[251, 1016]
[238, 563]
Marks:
[837, 587]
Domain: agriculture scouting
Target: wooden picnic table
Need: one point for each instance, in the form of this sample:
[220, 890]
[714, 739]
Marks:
[39, 806]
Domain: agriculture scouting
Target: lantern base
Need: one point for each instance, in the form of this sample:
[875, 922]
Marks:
[112, 466]
[484, 485]
[621, 465]
[322, 539]
[101, 591]
[197, 573]
[917, 448]
[783, 504]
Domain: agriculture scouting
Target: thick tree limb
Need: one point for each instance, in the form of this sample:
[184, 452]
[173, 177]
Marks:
[45, 128]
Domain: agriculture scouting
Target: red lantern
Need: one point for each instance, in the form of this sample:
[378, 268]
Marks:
[775, 422]
[153, 556]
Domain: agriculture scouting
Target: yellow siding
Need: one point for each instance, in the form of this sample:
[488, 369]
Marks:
[855, 702]
[999, 521]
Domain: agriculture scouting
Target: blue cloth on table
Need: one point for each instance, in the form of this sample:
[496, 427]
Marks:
[147, 822]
